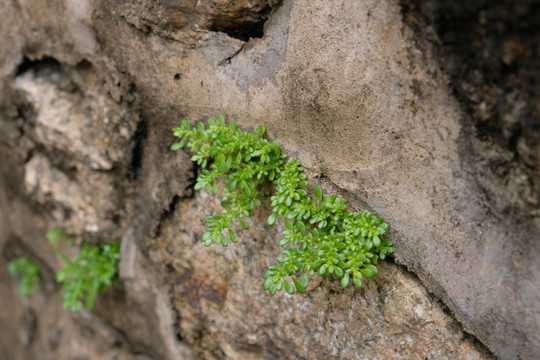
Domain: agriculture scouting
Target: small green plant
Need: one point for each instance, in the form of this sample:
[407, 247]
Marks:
[28, 273]
[90, 273]
[322, 235]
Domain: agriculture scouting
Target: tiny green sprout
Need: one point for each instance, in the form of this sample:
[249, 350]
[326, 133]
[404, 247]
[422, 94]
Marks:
[322, 235]
[27, 272]
[91, 272]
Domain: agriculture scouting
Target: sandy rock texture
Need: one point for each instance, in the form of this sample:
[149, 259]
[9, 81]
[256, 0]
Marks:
[387, 103]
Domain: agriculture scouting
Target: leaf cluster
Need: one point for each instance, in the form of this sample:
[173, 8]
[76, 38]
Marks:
[27, 272]
[322, 236]
[91, 272]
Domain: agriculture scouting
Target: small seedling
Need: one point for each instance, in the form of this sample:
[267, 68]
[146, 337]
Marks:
[90, 273]
[27, 272]
[322, 235]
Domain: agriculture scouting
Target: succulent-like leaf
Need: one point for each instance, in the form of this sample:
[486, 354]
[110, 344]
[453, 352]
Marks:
[301, 289]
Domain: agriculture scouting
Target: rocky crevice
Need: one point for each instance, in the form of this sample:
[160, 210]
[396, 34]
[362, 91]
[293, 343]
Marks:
[242, 20]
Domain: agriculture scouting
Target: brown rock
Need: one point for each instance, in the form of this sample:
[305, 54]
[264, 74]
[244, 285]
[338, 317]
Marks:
[223, 313]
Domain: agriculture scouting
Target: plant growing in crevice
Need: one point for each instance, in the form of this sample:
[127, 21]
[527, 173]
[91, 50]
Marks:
[91, 272]
[27, 272]
[322, 234]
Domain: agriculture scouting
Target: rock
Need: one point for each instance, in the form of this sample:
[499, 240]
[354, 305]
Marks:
[85, 213]
[74, 115]
[357, 91]
[86, 134]
[42, 330]
[224, 314]
[242, 19]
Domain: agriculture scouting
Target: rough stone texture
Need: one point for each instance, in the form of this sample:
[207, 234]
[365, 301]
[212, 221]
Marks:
[240, 19]
[44, 331]
[224, 314]
[357, 90]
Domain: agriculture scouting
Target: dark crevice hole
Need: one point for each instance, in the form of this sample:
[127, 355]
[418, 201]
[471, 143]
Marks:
[136, 158]
[247, 23]
[244, 33]
[166, 214]
[46, 62]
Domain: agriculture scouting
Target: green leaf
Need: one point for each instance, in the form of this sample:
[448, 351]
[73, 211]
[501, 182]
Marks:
[267, 283]
[244, 225]
[369, 271]
[345, 281]
[318, 193]
[211, 219]
[301, 289]
[289, 225]
[232, 235]
[283, 242]
[304, 280]
[207, 239]
[288, 287]
[222, 240]
[271, 219]
[323, 270]
[176, 146]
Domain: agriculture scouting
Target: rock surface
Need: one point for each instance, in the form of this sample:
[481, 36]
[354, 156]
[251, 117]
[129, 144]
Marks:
[223, 313]
[358, 91]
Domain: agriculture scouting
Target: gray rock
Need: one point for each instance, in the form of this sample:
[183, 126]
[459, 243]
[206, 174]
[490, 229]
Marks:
[347, 87]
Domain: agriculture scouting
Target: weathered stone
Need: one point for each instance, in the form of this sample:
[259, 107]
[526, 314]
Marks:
[86, 134]
[240, 19]
[44, 331]
[75, 207]
[72, 114]
[143, 312]
[224, 314]
[347, 87]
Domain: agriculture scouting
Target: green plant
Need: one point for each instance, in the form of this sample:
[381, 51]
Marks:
[90, 273]
[322, 235]
[28, 273]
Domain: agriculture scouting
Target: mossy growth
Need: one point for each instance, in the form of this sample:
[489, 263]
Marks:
[322, 234]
